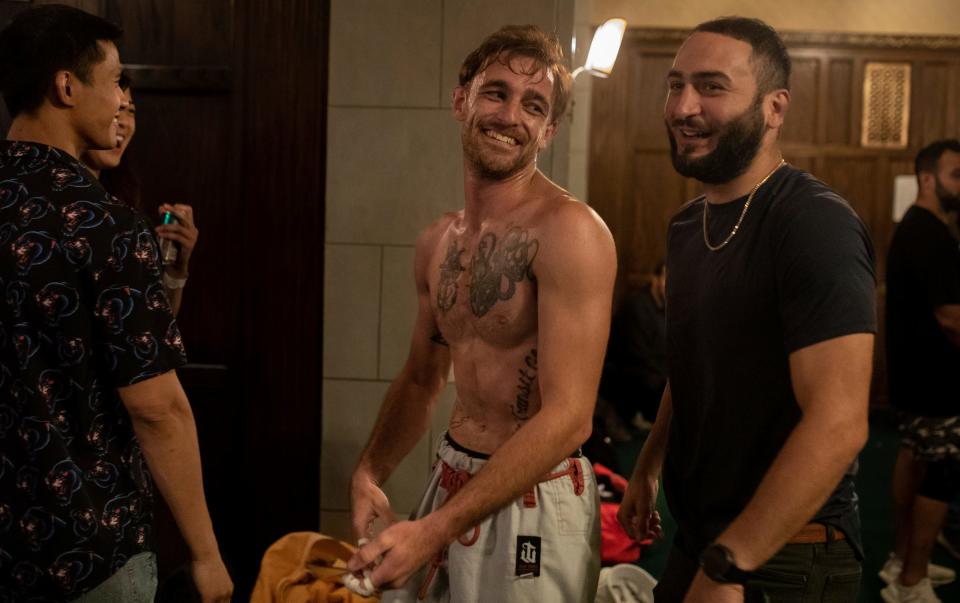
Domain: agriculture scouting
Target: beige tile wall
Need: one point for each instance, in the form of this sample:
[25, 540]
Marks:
[393, 165]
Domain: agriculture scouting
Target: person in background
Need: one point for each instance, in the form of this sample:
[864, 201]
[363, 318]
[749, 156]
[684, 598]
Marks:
[118, 177]
[635, 367]
[92, 415]
[923, 354]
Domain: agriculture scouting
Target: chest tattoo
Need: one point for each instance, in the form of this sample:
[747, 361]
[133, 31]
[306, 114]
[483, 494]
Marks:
[450, 270]
[497, 267]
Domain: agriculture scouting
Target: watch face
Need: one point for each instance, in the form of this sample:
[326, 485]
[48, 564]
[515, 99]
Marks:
[715, 562]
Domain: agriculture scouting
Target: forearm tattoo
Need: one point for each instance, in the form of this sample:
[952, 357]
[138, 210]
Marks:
[497, 270]
[450, 271]
[525, 387]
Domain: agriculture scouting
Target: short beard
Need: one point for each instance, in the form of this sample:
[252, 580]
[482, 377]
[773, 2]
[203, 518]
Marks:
[947, 201]
[487, 168]
[737, 146]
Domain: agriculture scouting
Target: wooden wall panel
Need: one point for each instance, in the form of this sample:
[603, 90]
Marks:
[646, 110]
[801, 123]
[632, 183]
[150, 32]
[609, 182]
[647, 237]
[165, 31]
[283, 155]
[217, 46]
[953, 101]
[800, 160]
[839, 98]
[930, 113]
[855, 179]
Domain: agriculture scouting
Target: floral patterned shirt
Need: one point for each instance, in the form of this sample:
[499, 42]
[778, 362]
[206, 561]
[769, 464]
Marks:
[82, 312]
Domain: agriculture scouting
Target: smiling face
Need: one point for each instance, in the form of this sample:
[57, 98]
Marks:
[126, 126]
[714, 112]
[98, 101]
[505, 111]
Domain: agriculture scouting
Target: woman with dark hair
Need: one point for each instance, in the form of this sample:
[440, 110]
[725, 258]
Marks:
[118, 177]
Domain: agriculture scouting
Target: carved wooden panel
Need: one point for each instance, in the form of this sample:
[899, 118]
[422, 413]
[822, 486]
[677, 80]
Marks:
[886, 106]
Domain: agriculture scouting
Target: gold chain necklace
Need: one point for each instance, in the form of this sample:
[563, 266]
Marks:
[746, 206]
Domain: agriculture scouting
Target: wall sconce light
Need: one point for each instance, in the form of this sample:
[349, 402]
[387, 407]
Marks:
[603, 49]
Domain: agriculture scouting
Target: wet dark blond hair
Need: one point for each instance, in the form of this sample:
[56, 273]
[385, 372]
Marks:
[527, 41]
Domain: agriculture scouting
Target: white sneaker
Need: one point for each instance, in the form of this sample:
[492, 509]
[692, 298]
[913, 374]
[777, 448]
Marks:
[890, 593]
[921, 592]
[949, 545]
[938, 574]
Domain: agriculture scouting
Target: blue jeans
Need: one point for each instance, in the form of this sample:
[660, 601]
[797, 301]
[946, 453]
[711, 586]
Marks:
[135, 582]
[798, 573]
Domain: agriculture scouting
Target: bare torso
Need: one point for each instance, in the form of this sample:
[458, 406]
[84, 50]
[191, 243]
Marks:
[483, 293]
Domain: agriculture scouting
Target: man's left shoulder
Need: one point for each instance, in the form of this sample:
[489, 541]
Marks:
[802, 190]
[565, 216]
[804, 200]
[574, 243]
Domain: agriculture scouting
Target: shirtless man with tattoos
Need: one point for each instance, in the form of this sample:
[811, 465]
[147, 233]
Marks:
[515, 291]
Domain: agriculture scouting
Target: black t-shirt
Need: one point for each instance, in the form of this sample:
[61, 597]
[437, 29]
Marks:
[82, 312]
[923, 272]
[798, 272]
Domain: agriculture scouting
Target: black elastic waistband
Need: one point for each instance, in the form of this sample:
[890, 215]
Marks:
[484, 457]
[471, 453]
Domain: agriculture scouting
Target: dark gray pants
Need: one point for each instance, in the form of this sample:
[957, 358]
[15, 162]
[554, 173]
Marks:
[799, 573]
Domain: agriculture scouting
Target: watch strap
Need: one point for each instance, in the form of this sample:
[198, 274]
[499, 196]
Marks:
[719, 564]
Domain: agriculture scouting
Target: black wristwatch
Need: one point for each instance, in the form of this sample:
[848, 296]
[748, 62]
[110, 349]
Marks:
[719, 565]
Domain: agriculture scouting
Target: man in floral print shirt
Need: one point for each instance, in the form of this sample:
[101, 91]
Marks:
[88, 395]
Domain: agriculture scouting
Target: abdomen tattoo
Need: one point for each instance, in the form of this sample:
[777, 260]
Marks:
[525, 387]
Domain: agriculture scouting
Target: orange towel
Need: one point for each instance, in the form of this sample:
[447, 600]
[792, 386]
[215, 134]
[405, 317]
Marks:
[305, 567]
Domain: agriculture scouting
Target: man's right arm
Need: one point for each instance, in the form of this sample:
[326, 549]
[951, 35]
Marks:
[405, 413]
[638, 511]
[163, 422]
[948, 316]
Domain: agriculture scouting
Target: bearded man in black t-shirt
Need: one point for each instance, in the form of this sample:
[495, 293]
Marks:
[770, 322]
[923, 354]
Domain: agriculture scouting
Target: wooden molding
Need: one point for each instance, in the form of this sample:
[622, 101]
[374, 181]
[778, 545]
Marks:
[181, 78]
[815, 38]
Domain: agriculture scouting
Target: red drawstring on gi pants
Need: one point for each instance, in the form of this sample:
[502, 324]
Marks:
[452, 480]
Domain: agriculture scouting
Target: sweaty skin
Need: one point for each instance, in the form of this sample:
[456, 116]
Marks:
[515, 291]
[483, 287]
